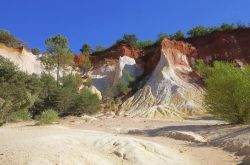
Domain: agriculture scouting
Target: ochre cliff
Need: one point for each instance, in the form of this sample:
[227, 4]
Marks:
[223, 45]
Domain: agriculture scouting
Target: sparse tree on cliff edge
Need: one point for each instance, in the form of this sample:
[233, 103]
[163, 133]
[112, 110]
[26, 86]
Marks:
[35, 51]
[131, 39]
[86, 49]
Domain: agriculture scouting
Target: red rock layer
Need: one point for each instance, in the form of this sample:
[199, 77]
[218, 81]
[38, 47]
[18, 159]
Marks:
[225, 45]
[151, 55]
[113, 53]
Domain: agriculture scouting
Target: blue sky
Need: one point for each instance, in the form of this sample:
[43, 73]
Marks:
[102, 22]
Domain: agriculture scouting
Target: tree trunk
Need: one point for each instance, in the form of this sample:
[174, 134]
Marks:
[58, 71]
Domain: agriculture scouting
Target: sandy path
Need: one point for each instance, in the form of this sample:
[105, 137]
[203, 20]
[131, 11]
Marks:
[22, 144]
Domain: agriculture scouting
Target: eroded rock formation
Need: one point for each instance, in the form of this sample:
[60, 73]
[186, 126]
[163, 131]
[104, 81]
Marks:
[168, 92]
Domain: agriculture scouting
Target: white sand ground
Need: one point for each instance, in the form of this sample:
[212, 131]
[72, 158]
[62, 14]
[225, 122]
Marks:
[104, 141]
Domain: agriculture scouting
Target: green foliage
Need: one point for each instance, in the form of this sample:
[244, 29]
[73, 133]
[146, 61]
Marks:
[86, 103]
[130, 39]
[57, 47]
[122, 86]
[143, 44]
[10, 40]
[200, 66]
[86, 49]
[35, 51]
[108, 93]
[56, 44]
[241, 25]
[67, 92]
[19, 91]
[198, 31]
[47, 96]
[161, 36]
[179, 35]
[226, 26]
[127, 76]
[48, 63]
[228, 91]
[18, 116]
[86, 64]
[124, 82]
[48, 117]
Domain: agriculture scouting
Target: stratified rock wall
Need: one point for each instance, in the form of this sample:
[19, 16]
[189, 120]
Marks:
[167, 93]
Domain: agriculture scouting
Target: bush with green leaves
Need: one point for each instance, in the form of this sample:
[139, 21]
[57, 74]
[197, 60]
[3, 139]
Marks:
[144, 44]
[226, 26]
[48, 117]
[124, 82]
[9, 40]
[198, 31]
[123, 86]
[86, 103]
[17, 116]
[19, 90]
[130, 39]
[47, 96]
[36, 51]
[179, 35]
[227, 91]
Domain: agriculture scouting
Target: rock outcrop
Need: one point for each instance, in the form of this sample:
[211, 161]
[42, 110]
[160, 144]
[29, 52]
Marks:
[223, 45]
[168, 92]
[23, 58]
[109, 65]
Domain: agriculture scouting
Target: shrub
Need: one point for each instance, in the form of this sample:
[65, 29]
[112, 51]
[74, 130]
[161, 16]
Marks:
[19, 116]
[226, 26]
[86, 103]
[85, 65]
[179, 35]
[161, 36]
[125, 82]
[47, 96]
[143, 44]
[131, 39]
[198, 31]
[227, 91]
[108, 93]
[122, 86]
[19, 90]
[48, 117]
[9, 40]
[35, 51]
[86, 49]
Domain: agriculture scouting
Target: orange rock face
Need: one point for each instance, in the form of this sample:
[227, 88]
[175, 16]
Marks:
[112, 54]
[151, 55]
[78, 59]
[226, 45]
